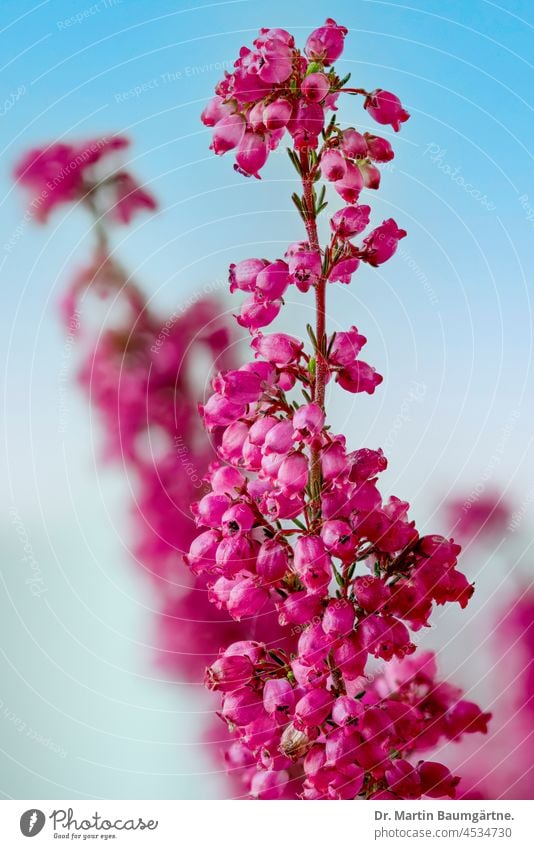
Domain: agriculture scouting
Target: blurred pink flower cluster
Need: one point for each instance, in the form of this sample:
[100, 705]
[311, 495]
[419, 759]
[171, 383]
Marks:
[140, 373]
[501, 765]
[294, 525]
[68, 173]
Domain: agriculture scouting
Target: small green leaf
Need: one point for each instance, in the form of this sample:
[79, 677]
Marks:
[339, 578]
[299, 524]
[330, 344]
[312, 336]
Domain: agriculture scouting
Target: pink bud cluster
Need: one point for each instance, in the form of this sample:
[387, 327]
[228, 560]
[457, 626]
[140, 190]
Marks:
[293, 525]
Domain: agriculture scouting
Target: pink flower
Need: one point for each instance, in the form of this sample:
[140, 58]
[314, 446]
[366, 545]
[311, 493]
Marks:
[269, 784]
[302, 534]
[293, 473]
[333, 165]
[279, 439]
[325, 44]
[129, 198]
[202, 552]
[278, 695]
[210, 509]
[379, 149]
[386, 108]
[311, 562]
[215, 111]
[370, 174]
[436, 780]
[313, 708]
[306, 123]
[238, 386]
[244, 274]
[382, 242]
[346, 346]
[255, 314]
[338, 618]
[229, 672]
[272, 561]
[359, 377]
[305, 268]
[315, 87]
[342, 271]
[246, 599]
[308, 422]
[277, 114]
[273, 280]
[299, 608]
[237, 519]
[251, 155]
[404, 780]
[338, 539]
[277, 348]
[353, 144]
[350, 186]
[225, 479]
[219, 411]
[350, 221]
[334, 461]
[228, 133]
[466, 717]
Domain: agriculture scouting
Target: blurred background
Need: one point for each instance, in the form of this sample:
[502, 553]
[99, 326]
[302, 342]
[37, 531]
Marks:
[83, 710]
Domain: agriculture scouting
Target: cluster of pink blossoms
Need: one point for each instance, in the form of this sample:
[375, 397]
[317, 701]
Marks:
[294, 525]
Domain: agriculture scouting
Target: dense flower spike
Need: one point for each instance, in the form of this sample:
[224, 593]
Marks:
[303, 533]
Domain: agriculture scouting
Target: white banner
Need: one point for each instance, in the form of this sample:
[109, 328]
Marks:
[258, 825]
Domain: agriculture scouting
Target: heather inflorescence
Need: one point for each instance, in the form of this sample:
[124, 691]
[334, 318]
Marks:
[293, 526]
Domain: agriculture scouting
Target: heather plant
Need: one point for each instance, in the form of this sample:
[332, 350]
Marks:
[294, 526]
[310, 582]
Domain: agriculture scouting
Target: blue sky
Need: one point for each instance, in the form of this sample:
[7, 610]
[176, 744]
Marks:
[452, 313]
